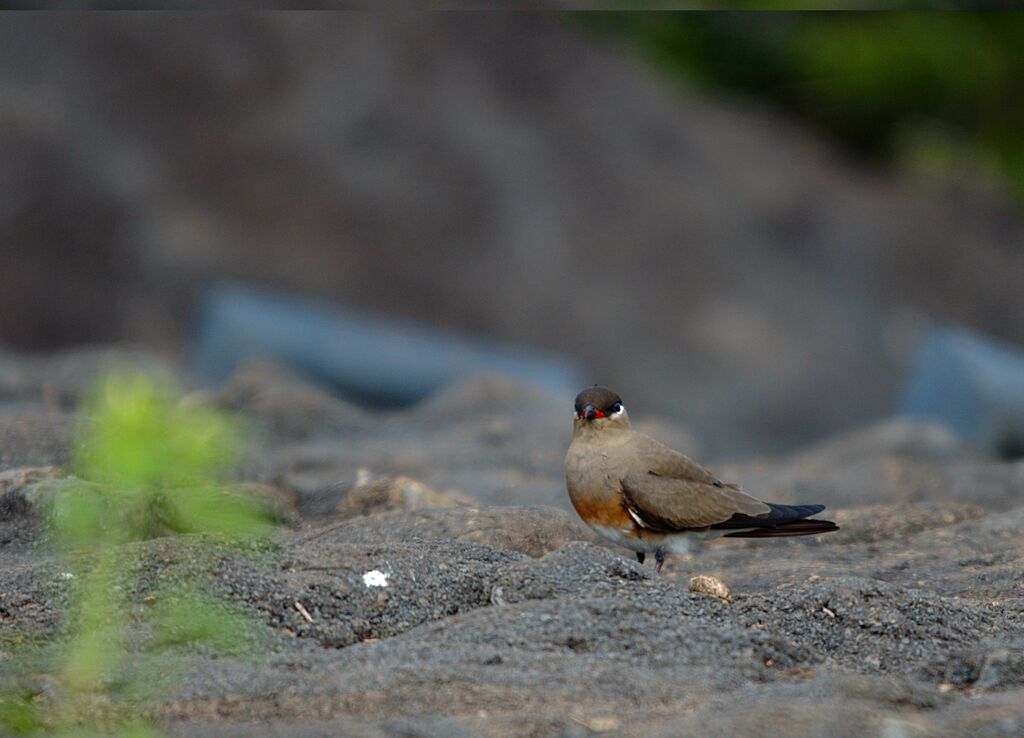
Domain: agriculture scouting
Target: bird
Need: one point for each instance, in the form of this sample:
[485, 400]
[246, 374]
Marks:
[640, 494]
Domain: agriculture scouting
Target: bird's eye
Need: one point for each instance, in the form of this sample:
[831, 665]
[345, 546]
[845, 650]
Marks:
[617, 408]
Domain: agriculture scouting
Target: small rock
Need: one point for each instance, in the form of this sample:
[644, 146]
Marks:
[17, 488]
[600, 724]
[371, 496]
[710, 586]
[20, 491]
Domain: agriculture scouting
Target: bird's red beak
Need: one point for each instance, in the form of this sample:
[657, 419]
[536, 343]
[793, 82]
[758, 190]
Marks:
[590, 412]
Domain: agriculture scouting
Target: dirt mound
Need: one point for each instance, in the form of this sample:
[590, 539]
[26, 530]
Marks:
[478, 619]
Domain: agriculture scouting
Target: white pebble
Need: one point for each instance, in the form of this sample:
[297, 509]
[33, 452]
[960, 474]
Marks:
[375, 578]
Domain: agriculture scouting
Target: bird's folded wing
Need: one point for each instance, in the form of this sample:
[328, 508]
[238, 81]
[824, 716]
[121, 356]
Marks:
[668, 491]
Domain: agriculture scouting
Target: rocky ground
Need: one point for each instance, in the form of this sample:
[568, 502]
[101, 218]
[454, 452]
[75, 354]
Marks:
[519, 178]
[430, 578]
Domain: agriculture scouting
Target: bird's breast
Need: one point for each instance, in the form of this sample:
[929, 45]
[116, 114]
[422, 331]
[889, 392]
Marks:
[594, 489]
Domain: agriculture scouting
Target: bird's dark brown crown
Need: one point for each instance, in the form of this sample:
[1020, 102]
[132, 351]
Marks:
[601, 398]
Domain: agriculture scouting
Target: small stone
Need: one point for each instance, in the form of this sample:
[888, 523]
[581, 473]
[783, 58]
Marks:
[375, 578]
[604, 724]
[370, 496]
[710, 586]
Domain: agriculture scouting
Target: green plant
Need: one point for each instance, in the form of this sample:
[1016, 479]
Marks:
[144, 465]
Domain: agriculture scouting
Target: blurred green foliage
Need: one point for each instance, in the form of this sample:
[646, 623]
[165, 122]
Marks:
[152, 465]
[936, 93]
[146, 464]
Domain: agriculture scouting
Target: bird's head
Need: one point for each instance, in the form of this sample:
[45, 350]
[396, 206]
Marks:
[599, 408]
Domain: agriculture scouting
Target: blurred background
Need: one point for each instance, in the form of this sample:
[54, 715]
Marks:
[746, 224]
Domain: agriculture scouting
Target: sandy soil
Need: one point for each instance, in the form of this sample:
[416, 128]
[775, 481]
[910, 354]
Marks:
[494, 612]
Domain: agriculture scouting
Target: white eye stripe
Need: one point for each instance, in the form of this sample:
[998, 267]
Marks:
[621, 409]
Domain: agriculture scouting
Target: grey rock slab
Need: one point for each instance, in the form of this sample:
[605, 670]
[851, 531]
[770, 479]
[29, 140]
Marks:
[895, 461]
[35, 434]
[942, 548]
[61, 378]
[288, 406]
[20, 489]
[533, 530]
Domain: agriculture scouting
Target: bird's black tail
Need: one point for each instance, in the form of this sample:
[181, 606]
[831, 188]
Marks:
[799, 528]
[783, 520]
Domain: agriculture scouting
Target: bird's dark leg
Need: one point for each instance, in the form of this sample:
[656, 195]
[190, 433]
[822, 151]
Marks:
[640, 556]
[659, 559]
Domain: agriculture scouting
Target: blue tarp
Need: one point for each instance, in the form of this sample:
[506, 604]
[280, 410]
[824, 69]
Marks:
[972, 383]
[377, 360]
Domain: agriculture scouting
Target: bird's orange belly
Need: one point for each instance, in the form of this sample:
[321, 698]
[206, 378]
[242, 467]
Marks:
[612, 521]
[604, 513]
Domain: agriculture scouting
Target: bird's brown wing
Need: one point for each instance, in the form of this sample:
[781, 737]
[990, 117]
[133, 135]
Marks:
[666, 491]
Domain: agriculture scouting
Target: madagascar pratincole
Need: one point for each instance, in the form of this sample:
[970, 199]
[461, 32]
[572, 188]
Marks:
[642, 495]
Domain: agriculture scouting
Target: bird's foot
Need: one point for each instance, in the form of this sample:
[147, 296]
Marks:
[659, 560]
[640, 556]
